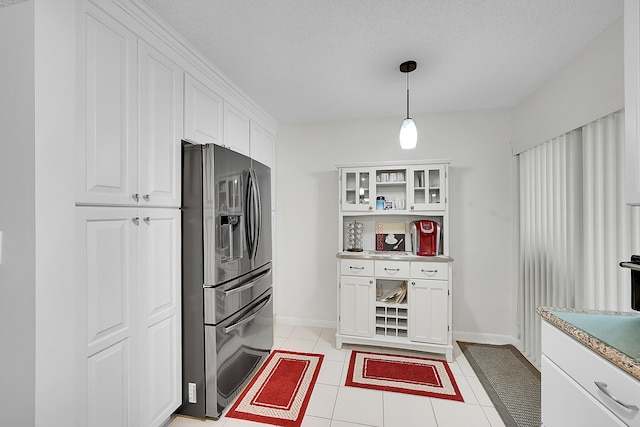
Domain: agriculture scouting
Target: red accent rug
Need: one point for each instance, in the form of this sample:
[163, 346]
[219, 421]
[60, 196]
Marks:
[402, 374]
[280, 391]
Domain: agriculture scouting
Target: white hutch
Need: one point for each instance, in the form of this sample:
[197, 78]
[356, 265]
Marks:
[368, 270]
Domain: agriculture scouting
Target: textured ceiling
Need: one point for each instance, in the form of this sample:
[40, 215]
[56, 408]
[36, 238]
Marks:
[5, 3]
[312, 60]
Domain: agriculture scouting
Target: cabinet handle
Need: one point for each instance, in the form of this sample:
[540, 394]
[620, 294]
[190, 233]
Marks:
[356, 268]
[147, 219]
[428, 271]
[603, 388]
[411, 207]
[394, 270]
[136, 197]
[413, 283]
[136, 220]
[146, 197]
[370, 208]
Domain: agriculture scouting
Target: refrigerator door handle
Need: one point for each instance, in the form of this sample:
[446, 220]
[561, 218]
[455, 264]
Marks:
[251, 315]
[248, 284]
[258, 207]
[253, 214]
[248, 215]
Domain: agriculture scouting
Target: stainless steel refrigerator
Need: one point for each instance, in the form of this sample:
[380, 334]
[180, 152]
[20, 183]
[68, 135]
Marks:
[227, 311]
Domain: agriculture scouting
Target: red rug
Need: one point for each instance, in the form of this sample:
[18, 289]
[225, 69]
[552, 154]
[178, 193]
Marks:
[280, 391]
[402, 374]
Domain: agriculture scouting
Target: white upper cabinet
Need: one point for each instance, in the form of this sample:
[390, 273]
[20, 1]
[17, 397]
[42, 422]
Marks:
[161, 97]
[203, 111]
[394, 188]
[129, 150]
[263, 145]
[632, 100]
[236, 129]
[107, 150]
[427, 188]
[357, 189]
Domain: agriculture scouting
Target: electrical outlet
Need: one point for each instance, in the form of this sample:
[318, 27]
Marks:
[192, 393]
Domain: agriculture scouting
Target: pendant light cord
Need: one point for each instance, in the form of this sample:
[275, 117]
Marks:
[407, 95]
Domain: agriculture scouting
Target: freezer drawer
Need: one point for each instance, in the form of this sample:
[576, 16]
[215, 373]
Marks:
[222, 301]
[234, 349]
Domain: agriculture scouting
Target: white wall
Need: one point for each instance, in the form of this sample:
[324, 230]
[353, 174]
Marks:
[589, 86]
[37, 134]
[17, 217]
[55, 127]
[482, 212]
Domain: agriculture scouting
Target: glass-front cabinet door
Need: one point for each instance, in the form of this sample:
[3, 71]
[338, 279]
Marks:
[426, 188]
[358, 189]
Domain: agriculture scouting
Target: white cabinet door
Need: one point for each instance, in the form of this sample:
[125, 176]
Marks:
[358, 189]
[263, 145]
[107, 146]
[427, 188]
[202, 113]
[236, 129]
[106, 250]
[428, 312]
[159, 314]
[128, 287]
[357, 305]
[632, 100]
[161, 99]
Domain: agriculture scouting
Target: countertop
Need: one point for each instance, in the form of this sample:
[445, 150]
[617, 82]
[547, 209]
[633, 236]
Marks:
[392, 255]
[613, 335]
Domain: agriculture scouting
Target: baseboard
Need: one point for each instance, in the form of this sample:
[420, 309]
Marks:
[482, 338]
[476, 337]
[306, 322]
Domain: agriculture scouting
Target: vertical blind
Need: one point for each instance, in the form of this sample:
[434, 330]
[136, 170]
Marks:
[574, 226]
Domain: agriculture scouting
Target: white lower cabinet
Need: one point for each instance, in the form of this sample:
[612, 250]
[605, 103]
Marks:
[564, 403]
[128, 285]
[427, 300]
[357, 296]
[420, 322]
[571, 373]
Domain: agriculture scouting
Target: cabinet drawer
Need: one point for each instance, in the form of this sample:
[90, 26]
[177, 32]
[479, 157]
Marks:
[429, 270]
[587, 367]
[565, 403]
[356, 267]
[392, 269]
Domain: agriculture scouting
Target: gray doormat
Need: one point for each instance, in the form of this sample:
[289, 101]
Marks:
[510, 380]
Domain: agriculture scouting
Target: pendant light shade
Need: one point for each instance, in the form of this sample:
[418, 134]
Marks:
[408, 130]
[408, 134]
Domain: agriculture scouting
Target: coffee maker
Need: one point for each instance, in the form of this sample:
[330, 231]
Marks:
[425, 236]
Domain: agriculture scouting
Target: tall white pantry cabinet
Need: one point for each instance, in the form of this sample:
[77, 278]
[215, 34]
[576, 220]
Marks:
[412, 191]
[138, 99]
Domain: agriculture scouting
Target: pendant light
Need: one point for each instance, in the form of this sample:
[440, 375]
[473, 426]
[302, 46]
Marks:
[408, 131]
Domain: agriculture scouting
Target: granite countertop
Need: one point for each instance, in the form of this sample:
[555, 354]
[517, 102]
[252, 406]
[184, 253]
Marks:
[392, 255]
[613, 335]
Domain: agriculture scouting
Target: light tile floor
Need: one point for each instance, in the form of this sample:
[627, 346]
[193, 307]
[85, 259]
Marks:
[334, 405]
